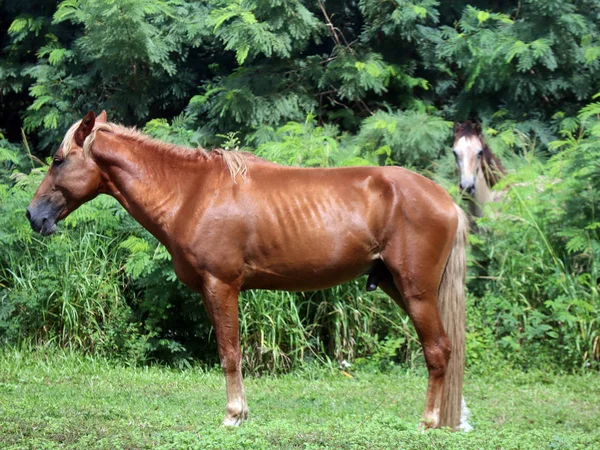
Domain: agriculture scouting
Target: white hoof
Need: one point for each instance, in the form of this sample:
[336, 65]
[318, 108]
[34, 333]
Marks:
[232, 421]
[235, 419]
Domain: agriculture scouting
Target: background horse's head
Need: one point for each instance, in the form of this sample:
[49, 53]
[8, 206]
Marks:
[72, 179]
[474, 159]
[468, 149]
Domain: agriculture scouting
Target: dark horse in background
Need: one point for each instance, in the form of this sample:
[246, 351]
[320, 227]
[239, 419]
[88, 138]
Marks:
[232, 221]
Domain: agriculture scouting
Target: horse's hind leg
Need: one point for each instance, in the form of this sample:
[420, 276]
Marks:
[416, 278]
[387, 285]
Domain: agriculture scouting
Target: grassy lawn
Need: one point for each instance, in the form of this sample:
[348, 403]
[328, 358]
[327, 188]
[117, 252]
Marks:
[70, 402]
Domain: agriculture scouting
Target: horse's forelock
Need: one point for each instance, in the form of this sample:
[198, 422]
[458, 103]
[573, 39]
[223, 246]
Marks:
[69, 139]
[466, 129]
[67, 143]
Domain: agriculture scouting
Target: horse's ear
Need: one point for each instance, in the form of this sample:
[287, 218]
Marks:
[102, 117]
[457, 126]
[85, 128]
[477, 128]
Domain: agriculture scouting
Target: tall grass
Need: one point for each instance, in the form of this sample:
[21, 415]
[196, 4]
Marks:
[541, 300]
[281, 329]
[68, 291]
[104, 286]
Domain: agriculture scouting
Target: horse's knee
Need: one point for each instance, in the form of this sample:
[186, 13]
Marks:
[437, 356]
[231, 363]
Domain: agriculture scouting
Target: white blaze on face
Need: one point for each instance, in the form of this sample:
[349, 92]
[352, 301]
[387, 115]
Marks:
[467, 151]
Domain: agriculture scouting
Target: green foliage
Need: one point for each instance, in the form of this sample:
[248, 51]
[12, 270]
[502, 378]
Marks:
[91, 69]
[542, 247]
[236, 24]
[357, 76]
[306, 144]
[266, 62]
[10, 160]
[315, 84]
[78, 302]
[399, 18]
[249, 97]
[409, 138]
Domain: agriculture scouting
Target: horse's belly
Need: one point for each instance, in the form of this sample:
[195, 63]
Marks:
[305, 277]
[309, 261]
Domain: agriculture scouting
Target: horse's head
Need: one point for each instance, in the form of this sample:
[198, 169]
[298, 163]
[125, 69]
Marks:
[72, 179]
[468, 149]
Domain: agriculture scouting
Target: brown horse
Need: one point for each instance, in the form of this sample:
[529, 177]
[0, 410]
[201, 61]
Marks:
[232, 221]
[479, 168]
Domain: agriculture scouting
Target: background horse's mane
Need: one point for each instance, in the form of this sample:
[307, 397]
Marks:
[493, 169]
[236, 161]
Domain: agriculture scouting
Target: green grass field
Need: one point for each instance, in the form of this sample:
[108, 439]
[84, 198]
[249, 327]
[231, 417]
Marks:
[64, 401]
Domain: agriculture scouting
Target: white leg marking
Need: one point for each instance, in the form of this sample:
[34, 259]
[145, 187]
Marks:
[464, 417]
[237, 408]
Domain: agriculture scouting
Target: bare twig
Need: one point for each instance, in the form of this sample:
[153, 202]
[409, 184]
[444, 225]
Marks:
[364, 105]
[335, 102]
[335, 30]
[301, 69]
[32, 158]
[518, 10]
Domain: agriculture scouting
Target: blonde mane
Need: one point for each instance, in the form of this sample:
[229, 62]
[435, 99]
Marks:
[236, 161]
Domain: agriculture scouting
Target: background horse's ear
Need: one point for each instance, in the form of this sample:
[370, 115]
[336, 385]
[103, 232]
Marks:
[85, 128]
[102, 117]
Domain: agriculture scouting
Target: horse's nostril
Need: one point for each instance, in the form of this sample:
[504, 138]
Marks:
[28, 214]
[469, 189]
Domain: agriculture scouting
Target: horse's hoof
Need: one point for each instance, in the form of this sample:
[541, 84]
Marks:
[426, 424]
[232, 421]
[236, 420]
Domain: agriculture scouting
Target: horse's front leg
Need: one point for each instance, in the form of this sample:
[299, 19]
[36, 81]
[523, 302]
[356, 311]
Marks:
[221, 302]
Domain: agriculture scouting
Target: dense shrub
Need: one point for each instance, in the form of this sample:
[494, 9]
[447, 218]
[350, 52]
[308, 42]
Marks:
[313, 84]
[103, 285]
[541, 248]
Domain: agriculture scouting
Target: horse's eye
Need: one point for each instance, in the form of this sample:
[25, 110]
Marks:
[479, 153]
[57, 162]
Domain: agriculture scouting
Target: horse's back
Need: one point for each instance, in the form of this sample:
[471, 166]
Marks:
[372, 190]
[313, 228]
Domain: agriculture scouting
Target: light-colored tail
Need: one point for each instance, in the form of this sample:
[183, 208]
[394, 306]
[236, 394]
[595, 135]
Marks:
[451, 302]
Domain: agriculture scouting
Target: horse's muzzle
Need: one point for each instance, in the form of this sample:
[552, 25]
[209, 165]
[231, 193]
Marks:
[42, 217]
[468, 189]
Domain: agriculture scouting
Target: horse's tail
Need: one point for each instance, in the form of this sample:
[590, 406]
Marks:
[452, 310]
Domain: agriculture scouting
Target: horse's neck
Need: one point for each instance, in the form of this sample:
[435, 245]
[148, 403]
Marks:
[483, 195]
[148, 184]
